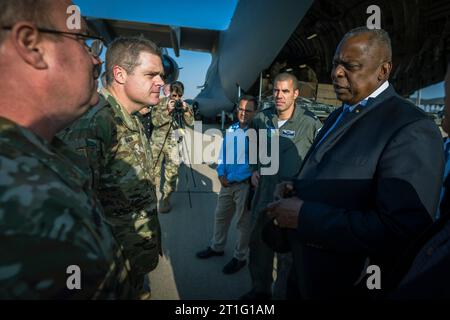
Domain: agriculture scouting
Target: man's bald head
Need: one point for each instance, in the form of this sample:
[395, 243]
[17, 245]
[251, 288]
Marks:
[56, 71]
[35, 11]
[377, 39]
[361, 64]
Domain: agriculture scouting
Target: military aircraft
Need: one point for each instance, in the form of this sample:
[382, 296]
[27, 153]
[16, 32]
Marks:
[266, 37]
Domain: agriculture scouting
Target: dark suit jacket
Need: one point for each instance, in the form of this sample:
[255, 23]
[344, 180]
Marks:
[369, 188]
[424, 268]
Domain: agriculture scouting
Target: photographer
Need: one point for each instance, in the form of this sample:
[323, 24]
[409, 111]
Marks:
[167, 116]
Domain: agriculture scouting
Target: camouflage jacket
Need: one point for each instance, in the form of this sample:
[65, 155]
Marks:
[50, 220]
[161, 122]
[119, 156]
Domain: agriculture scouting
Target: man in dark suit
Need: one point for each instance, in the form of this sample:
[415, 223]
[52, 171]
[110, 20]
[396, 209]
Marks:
[370, 183]
[426, 264]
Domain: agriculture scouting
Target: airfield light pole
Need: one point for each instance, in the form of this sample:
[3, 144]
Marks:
[223, 120]
[419, 96]
[260, 86]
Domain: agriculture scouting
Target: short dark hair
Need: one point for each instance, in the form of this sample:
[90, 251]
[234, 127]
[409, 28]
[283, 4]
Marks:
[378, 36]
[287, 76]
[35, 11]
[251, 99]
[125, 52]
[177, 87]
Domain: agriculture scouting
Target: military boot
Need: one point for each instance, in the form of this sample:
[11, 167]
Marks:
[145, 296]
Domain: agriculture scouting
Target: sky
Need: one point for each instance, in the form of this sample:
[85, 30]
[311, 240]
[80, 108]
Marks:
[212, 14]
[433, 91]
[207, 14]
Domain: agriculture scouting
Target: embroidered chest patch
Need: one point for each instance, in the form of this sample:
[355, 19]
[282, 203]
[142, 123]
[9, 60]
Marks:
[288, 134]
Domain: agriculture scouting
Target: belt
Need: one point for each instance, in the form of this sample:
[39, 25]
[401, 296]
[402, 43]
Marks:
[238, 182]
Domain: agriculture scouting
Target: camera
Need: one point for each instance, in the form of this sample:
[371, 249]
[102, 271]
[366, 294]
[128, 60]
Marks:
[178, 106]
[177, 114]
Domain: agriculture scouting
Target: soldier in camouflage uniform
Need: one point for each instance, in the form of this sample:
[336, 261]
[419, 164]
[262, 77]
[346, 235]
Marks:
[166, 140]
[113, 140]
[50, 219]
[145, 114]
[297, 129]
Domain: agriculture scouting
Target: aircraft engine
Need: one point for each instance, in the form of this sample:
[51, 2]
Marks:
[171, 69]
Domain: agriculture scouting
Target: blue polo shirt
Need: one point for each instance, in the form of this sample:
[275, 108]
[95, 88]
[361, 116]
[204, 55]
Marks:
[234, 166]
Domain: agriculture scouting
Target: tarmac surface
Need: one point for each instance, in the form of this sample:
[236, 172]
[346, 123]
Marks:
[180, 275]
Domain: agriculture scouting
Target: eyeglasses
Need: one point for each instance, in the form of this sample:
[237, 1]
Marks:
[93, 44]
[246, 111]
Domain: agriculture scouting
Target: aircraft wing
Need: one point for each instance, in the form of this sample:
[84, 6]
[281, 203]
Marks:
[166, 36]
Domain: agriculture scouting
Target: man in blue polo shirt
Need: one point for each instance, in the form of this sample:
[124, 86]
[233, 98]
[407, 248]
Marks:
[234, 173]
